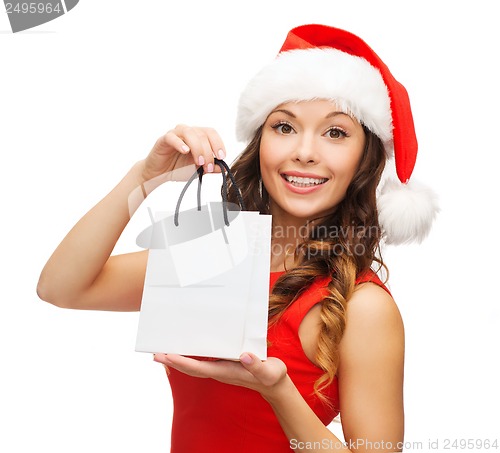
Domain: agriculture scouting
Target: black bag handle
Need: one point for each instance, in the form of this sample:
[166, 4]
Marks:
[225, 171]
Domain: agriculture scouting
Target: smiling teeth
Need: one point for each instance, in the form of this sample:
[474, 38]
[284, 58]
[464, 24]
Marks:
[299, 181]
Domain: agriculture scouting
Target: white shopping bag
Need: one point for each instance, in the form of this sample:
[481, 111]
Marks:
[207, 283]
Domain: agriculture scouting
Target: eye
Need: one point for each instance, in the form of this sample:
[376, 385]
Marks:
[283, 128]
[336, 133]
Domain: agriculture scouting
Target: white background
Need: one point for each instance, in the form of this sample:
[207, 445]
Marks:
[84, 97]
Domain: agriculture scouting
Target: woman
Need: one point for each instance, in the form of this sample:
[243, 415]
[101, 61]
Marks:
[320, 121]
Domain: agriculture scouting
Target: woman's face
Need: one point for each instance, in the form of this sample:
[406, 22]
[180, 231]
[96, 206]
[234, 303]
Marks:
[309, 153]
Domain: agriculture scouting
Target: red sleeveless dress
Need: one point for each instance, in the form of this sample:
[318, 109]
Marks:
[210, 416]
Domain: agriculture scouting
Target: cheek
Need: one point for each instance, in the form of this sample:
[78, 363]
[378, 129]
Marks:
[342, 168]
[264, 160]
[347, 164]
[269, 156]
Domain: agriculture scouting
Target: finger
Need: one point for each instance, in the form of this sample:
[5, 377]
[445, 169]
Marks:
[199, 145]
[161, 358]
[268, 372]
[207, 156]
[184, 364]
[250, 361]
[216, 142]
[223, 370]
[172, 140]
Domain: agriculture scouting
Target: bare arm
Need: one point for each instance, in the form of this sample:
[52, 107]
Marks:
[370, 381]
[371, 371]
[81, 273]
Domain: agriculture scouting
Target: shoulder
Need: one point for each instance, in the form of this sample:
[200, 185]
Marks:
[373, 304]
[374, 326]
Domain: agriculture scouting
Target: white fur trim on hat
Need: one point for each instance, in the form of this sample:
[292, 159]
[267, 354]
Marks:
[318, 73]
[406, 211]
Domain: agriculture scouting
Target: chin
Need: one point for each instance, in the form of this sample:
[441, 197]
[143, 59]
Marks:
[305, 213]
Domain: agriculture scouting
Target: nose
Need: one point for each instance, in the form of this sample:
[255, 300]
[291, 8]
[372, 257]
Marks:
[305, 151]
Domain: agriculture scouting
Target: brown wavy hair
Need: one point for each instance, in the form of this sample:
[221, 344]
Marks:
[341, 246]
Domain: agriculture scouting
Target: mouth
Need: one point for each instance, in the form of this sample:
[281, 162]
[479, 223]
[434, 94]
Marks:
[300, 181]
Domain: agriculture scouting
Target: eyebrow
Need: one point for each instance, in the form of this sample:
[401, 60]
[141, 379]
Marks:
[286, 112]
[330, 115]
[333, 114]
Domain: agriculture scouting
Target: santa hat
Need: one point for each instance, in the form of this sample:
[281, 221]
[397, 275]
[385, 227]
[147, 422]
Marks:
[322, 62]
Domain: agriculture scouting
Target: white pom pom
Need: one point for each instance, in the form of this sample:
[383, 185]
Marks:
[406, 211]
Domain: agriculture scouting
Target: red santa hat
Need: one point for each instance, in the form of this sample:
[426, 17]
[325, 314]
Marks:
[322, 62]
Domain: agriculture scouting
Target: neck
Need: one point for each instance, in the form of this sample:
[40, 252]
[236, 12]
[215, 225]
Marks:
[287, 233]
